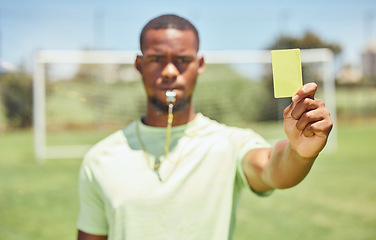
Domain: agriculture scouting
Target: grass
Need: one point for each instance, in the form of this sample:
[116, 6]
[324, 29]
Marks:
[36, 202]
[336, 201]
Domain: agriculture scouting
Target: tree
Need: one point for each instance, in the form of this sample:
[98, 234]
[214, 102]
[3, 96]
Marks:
[16, 95]
[307, 41]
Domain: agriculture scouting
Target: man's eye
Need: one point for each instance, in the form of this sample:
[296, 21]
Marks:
[156, 59]
[184, 60]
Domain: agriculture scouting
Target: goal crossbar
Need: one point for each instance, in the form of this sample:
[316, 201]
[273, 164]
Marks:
[41, 58]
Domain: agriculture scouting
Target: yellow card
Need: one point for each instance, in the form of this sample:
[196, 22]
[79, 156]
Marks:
[287, 72]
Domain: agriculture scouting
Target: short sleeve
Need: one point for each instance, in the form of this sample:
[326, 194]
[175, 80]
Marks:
[245, 140]
[92, 217]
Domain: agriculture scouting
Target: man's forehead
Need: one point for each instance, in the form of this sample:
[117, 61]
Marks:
[170, 38]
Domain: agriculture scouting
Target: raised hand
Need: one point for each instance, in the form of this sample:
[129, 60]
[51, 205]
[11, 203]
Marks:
[307, 122]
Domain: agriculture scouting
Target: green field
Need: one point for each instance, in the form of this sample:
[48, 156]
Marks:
[336, 201]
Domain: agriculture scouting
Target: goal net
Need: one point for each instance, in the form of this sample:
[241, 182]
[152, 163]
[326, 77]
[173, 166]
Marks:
[105, 93]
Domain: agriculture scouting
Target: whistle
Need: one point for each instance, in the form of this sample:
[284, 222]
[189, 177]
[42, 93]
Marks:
[170, 96]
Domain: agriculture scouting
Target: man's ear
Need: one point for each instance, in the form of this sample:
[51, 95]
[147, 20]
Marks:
[201, 65]
[138, 63]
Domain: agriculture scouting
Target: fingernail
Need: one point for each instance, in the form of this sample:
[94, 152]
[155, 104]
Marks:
[295, 97]
[304, 88]
[308, 84]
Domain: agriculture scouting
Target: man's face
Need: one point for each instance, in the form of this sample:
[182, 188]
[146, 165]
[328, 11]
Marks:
[169, 62]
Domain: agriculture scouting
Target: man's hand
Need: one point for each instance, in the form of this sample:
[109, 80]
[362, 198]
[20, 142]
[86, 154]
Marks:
[86, 236]
[307, 122]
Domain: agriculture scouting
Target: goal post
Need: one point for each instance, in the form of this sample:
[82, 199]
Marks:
[45, 57]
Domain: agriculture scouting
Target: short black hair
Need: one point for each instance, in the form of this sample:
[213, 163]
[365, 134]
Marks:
[169, 21]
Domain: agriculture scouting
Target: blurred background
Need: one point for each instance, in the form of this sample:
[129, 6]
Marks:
[86, 102]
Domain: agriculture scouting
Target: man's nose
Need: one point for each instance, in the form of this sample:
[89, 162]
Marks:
[170, 71]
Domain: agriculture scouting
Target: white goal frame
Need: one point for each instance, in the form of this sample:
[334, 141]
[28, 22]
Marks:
[41, 58]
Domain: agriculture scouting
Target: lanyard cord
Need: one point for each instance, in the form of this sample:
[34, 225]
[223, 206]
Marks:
[169, 125]
[170, 98]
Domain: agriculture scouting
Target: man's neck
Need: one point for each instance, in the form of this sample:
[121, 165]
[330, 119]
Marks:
[158, 119]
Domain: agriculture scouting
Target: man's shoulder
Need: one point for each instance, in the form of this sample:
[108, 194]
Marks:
[232, 133]
[108, 144]
[111, 140]
[216, 127]
[209, 124]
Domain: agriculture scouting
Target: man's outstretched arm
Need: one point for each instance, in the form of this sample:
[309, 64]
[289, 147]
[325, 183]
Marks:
[307, 126]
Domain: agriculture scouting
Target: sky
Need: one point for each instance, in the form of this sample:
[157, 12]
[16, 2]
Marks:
[30, 25]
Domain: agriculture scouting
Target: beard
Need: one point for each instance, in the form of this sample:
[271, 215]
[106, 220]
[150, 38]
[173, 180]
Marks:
[162, 106]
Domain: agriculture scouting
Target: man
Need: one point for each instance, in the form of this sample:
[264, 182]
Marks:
[136, 185]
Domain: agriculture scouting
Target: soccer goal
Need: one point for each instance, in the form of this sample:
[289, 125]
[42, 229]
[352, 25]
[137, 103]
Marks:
[106, 93]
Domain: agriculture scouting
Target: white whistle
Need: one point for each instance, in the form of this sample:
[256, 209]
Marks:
[170, 96]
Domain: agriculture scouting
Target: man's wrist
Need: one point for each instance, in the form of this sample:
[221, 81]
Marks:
[295, 154]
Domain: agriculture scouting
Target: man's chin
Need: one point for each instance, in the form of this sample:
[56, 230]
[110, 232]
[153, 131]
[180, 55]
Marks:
[162, 106]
